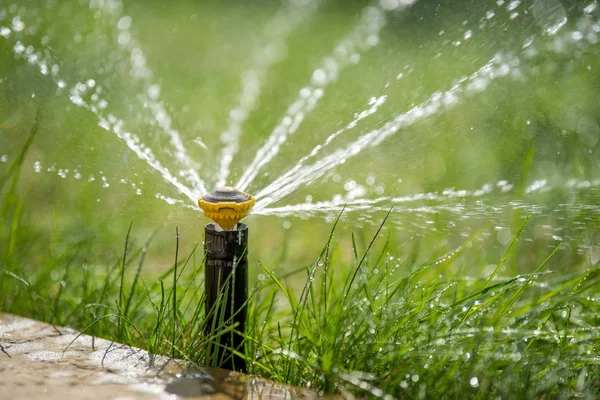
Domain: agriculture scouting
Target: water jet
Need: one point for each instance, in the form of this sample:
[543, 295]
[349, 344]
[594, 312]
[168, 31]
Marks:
[453, 116]
[226, 272]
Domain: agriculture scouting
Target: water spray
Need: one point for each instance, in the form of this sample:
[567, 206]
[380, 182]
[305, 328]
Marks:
[226, 275]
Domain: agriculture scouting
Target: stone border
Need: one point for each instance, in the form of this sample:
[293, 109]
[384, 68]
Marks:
[37, 360]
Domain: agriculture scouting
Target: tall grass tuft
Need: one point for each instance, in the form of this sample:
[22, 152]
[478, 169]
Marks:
[381, 325]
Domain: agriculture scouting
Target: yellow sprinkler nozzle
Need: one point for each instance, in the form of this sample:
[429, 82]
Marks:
[226, 206]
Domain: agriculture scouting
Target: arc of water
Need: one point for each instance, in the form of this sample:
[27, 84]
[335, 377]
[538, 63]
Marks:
[498, 66]
[361, 203]
[323, 209]
[142, 73]
[322, 206]
[46, 66]
[143, 153]
[362, 38]
[302, 210]
[366, 207]
[374, 104]
[278, 29]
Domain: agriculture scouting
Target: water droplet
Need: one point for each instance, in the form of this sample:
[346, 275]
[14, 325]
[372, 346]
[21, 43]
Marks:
[389, 4]
[5, 32]
[319, 77]
[154, 91]
[124, 38]
[474, 382]
[17, 24]
[124, 23]
[504, 236]
[513, 4]
[350, 185]
[550, 15]
[305, 93]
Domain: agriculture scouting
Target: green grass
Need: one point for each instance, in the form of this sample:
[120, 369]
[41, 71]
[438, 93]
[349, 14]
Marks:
[380, 325]
[381, 312]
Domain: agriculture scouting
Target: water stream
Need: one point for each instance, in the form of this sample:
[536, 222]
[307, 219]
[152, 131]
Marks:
[453, 117]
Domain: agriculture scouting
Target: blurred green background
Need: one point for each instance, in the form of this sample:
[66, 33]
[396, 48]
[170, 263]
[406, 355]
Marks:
[538, 123]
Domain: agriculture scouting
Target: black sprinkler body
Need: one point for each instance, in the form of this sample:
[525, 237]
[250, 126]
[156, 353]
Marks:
[226, 272]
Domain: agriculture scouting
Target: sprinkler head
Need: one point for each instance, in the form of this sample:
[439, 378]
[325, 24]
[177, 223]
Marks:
[226, 206]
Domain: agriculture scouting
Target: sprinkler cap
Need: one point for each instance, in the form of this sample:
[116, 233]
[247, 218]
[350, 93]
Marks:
[226, 206]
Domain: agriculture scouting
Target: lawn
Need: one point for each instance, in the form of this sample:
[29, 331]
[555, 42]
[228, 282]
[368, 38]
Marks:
[443, 242]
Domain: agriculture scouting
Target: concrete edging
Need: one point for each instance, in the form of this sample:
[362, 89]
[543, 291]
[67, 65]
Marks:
[37, 364]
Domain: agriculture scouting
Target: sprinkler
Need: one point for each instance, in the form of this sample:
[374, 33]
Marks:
[226, 276]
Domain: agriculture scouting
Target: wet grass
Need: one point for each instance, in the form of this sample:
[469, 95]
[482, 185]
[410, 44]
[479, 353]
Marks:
[381, 325]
